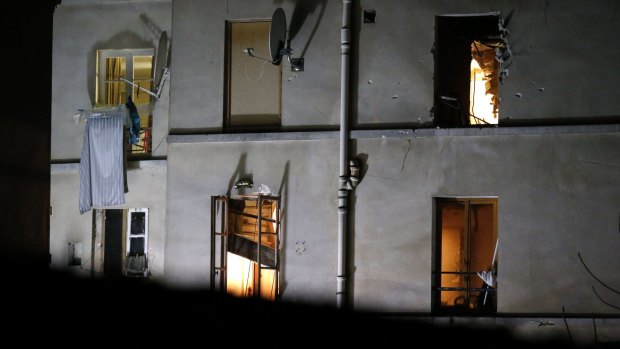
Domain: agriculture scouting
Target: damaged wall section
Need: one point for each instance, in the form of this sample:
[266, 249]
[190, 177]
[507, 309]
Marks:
[468, 48]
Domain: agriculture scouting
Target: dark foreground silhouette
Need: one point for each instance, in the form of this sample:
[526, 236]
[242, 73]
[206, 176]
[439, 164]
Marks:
[55, 308]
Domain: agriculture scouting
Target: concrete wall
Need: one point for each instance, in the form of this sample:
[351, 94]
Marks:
[558, 195]
[197, 90]
[147, 183]
[561, 47]
[295, 169]
[80, 29]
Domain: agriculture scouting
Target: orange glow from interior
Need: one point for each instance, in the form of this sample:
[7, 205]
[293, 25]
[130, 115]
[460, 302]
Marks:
[481, 103]
[240, 278]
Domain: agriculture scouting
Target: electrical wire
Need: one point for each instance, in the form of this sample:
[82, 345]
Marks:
[262, 70]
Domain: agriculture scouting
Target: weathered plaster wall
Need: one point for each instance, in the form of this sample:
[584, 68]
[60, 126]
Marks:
[561, 47]
[80, 29]
[558, 195]
[297, 170]
[147, 183]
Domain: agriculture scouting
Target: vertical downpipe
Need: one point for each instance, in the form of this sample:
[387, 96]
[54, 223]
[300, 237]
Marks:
[343, 193]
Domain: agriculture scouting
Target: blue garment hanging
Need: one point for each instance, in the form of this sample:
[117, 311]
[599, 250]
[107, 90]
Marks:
[134, 129]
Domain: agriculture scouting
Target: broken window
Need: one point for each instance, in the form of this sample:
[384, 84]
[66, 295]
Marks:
[120, 242]
[238, 223]
[253, 85]
[465, 266]
[469, 52]
[135, 65]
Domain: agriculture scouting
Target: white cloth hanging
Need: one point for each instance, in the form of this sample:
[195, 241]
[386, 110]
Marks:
[101, 165]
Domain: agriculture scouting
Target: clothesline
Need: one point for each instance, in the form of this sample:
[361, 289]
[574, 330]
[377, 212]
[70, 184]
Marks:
[84, 114]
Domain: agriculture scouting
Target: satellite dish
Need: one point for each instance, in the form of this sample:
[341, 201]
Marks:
[160, 70]
[277, 35]
[279, 45]
[161, 60]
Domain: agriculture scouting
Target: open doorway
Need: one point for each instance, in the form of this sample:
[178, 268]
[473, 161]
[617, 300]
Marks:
[120, 242]
[253, 86]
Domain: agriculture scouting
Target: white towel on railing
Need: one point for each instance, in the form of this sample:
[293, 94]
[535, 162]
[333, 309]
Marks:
[101, 164]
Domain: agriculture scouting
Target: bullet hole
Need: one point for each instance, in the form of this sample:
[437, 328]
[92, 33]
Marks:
[518, 95]
[395, 97]
[370, 16]
[300, 247]
[541, 89]
[369, 82]
[420, 61]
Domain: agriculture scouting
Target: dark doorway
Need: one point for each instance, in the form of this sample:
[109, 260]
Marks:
[113, 245]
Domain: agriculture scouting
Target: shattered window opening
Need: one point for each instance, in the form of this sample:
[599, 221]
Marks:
[471, 58]
[484, 85]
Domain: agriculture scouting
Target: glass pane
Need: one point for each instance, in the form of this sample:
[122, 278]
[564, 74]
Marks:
[453, 253]
[139, 96]
[142, 67]
[137, 223]
[142, 76]
[482, 239]
[114, 88]
[136, 246]
[453, 238]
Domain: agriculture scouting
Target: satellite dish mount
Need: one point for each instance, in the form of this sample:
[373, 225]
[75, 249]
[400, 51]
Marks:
[160, 69]
[279, 44]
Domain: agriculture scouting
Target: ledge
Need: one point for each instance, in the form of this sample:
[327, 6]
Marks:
[131, 165]
[393, 133]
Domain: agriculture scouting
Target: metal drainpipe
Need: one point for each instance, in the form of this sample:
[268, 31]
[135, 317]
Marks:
[343, 192]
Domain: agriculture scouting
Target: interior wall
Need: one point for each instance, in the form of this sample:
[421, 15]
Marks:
[80, 29]
[147, 183]
[557, 196]
[554, 74]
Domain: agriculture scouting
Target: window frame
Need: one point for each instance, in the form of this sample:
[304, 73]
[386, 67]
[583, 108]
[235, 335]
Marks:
[129, 236]
[101, 70]
[436, 288]
[128, 54]
[228, 124]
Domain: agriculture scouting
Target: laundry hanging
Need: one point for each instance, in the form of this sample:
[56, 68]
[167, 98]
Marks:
[134, 117]
[101, 165]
